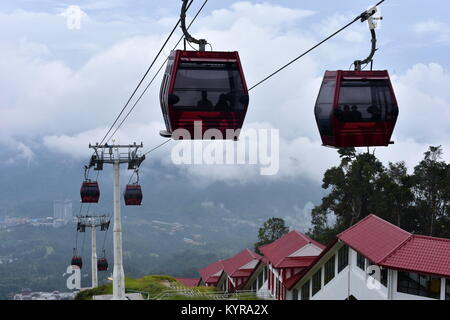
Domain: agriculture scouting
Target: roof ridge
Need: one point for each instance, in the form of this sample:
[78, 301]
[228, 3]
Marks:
[371, 215]
[354, 225]
[431, 237]
[304, 236]
[396, 248]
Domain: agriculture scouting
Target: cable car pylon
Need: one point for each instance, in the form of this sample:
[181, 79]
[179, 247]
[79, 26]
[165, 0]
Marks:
[93, 222]
[111, 154]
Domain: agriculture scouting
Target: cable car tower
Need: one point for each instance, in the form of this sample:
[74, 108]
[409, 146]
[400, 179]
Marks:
[113, 154]
[93, 222]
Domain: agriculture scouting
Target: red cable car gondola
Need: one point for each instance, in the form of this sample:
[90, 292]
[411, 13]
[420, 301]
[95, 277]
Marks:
[102, 264]
[357, 108]
[208, 88]
[77, 261]
[203, 89]
[133, 195]
[90, 192]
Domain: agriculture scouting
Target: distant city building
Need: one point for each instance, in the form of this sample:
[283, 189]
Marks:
[62, 210]
[55, 295]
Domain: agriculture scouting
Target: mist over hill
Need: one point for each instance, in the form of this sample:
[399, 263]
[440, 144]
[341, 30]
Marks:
[179, 228]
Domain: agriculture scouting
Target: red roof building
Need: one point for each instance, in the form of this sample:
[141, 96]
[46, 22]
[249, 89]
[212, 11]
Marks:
[283, 259]
[238, 268]
[209, 276]
[189, 282]
[411, 266]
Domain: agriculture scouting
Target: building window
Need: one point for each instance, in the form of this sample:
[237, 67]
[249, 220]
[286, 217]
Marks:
[384, 276]
[295, 294]
[260, 279]
[329, 270]
[265, 274]
[316, 282]
[360, 261]
[305, 291]
[447, 289]
[342, 258]
[419, 284]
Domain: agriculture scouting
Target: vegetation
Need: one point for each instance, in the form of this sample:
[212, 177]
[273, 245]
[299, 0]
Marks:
[361, 185]
[154, 287]
[272, 229]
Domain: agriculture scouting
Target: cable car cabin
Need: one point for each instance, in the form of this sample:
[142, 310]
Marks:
[102, 264]
[90, 192]
[77, 261]
[133, 195]
[207, 88]
[356, 109]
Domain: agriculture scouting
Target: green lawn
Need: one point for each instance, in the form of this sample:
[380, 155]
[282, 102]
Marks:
[155, 286]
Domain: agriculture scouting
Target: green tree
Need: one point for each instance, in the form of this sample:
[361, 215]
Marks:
[353, 194]
[272, 229]
[360, 185]
[395, 195]
[432, 193]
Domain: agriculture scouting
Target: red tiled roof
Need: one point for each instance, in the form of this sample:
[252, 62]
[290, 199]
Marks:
[389, 246]
[422, 254]
[242, 273]
[213, 280]
[296, 262]
[295, 278]
[289, 283]
[189, 282]
[233, 264]
[208, 272]
[278, 250]
[374, 237]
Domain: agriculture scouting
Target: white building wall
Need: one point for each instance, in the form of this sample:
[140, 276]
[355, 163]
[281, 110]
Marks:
[352, 280]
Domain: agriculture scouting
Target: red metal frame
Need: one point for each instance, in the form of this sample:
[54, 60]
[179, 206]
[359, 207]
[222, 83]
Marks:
[210, 120]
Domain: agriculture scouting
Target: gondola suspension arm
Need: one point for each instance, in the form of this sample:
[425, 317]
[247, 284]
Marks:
[201, 42]
[369, 17]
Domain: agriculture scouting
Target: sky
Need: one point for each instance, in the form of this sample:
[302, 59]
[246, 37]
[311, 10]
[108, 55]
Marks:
[61, 88]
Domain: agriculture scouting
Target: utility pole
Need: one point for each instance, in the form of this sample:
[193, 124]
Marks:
[91, 221]
[111, 154]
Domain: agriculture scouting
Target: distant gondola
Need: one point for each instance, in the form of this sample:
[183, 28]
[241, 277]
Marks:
[102, 264]
[77, 261]
[90, 192]
[133, 195]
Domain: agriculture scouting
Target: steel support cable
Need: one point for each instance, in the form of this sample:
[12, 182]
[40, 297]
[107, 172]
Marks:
[157, 73]
[363, 16]
[145, 75]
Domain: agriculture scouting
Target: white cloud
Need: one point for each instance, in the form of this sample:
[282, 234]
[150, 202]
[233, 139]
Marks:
[439, 31]
[68, 107]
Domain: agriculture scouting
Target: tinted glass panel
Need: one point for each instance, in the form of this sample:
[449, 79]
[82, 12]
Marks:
[202, 86]
[366, 101]
[447, 289]
[316, 282]
[342, 258]
[329, 270]
[305, 291]
[295, 294]
[419, 284]
[260, 279]
[324, 107]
